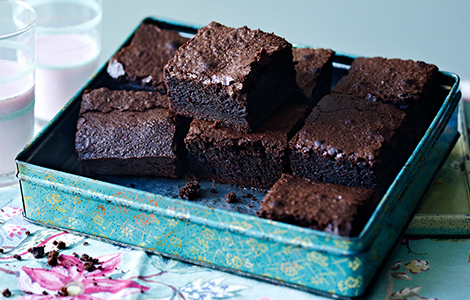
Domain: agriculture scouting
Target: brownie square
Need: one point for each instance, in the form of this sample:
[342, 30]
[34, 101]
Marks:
[129, 133]
[336, 209]
[314, 71]
[235, 76]
[140, 65]
[255, 159]
[408, 85]
[351, 141]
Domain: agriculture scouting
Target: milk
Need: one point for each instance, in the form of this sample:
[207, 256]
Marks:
[64, 64]
[16, 113]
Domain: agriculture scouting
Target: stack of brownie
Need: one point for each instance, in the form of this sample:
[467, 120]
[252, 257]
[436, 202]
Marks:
[242, 106]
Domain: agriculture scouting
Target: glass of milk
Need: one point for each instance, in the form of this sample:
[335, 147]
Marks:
[17, 65]
[68, 44]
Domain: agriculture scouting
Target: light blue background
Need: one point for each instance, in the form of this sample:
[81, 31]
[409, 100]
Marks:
[433, 31]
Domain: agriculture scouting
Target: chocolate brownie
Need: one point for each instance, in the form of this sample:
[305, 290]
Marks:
[235, 76]
[140, 65]
[336, 209]
[129, 133]
[351, 141]
[407, 84]
[255, 159]
[314, 71]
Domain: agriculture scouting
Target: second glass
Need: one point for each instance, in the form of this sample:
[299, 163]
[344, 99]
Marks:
[68, 45]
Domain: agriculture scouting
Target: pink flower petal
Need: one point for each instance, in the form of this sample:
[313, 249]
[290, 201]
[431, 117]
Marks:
[47, 279]
[70, 266]
[108, 265]
[110, 286]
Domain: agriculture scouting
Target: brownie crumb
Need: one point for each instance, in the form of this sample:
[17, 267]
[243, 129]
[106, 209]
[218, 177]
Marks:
[28, 232]
[86, 258]
[190, 191]
[37, 252]
[213, 191]
[85, 243]
[1, 250]
[63, 292]
[6, 293]
[132, 185]
[247, 195]
[55, 243]
[89, 266]
[75, 254]
[18, 257]
[61, 245]
[230, 197]
[52, 258]
[45, 293]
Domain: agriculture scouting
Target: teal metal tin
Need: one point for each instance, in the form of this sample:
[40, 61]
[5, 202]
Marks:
[146, 212]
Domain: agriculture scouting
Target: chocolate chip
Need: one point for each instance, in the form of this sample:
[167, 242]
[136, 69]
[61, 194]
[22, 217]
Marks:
[6, 293]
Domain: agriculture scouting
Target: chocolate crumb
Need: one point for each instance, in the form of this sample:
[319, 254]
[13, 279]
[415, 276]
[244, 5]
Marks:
[52, 258]
[18, 257]
[190, 191]
[45, 293]
[75, 254]
[1, 250]
[213, 191]
[89, 266]
[63, 292]
[230, 197]
[37, 252]
[27, 232]
[247, 195]
[85, 257]
[253, 198]
[61, 245]
[132, 185]
[85, 243]
[249, 205]
[6, 293]
[55, 243]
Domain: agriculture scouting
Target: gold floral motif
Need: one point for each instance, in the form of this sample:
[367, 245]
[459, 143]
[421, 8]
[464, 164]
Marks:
[318, 258]
[76, 200]
[350, 283]
[98, 220]
[257, 248]
[175, 241]
[319, 280]
[194, 250]
[127, 231]
[50, 178]
[355, 264]
[208, 234]
[236, 262]
[291, 268]
[286, 250]
[143, 219]
[71, 223]
[54, 200]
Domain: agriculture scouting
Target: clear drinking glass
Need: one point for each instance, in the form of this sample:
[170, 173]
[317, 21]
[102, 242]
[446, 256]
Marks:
[68, 45]
[17, 65]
